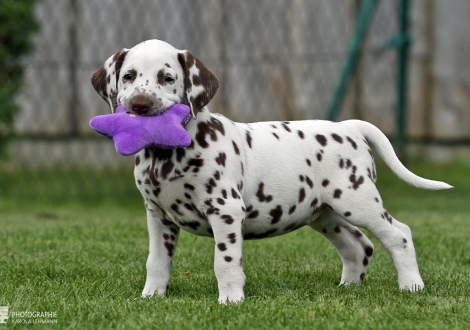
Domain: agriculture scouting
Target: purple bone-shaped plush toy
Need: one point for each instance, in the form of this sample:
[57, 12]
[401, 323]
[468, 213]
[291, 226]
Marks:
[132, 133]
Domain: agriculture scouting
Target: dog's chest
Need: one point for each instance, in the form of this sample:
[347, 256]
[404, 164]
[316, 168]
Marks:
[166, 179]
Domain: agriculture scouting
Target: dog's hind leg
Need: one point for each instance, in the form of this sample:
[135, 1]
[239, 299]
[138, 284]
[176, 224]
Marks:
[354, 248]
[394, 236]
[408, 274]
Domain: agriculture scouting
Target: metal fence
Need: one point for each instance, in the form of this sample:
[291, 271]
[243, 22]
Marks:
[275, 59]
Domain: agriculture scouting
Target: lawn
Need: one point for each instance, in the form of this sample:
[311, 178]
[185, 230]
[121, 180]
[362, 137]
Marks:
[85, 260]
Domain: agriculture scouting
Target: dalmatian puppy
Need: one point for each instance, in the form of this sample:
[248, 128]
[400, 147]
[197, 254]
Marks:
[240, 181]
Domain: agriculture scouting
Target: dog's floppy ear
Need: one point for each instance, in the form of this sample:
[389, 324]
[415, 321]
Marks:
[200, 84]
[105, 79]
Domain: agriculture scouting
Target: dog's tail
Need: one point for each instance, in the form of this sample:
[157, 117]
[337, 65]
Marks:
[385, 150]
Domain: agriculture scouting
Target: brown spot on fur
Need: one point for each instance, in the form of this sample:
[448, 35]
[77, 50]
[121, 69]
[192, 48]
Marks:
[354, 144]
[388, 217]
[321, 139]
[170, 248]
[337, 138]
[276, 214]
[175, 208]
[284, 124]
[292, 209]
[167, 167]
[232, 237]
[235, 194]
[261, 196]
[220, 159]
[188, 186]
[357, 182]
[253, 214]
[209, 128]
[301, 195]
[210, 185]
[235, 147]
[337, 193]
[369, 250]
[196, 163]
[314, 202]
[228, 219]
[309, 182]
[248, 138]
[180, 153]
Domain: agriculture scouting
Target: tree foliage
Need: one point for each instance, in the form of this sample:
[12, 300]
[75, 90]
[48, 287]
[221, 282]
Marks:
[17, 24]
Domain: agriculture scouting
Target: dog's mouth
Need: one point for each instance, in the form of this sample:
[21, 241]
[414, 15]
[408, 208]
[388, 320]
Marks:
[152, 112]
[143, 104]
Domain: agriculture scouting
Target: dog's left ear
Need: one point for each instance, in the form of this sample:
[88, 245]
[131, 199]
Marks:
[200, 84]
[105, 79]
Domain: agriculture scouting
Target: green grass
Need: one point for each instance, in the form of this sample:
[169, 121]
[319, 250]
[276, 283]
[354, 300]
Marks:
[85, 260]
[67, 183]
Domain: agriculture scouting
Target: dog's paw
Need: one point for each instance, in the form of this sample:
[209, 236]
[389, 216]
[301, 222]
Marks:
[234, 298]
[149, 292]
[413, 286]
[348, 282]
[146, 294]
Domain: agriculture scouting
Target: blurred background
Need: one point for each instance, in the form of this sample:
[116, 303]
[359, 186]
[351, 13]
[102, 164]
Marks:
[275, 59]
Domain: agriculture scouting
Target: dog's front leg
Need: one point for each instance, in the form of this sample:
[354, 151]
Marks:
[163, 236]
[227, 222]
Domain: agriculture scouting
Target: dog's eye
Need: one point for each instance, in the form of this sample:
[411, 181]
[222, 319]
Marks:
[168, 79]
[127, 77]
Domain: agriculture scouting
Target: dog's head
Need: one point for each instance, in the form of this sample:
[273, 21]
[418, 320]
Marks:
[150, 77]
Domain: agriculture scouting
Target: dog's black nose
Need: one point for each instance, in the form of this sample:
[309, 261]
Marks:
[141, 104]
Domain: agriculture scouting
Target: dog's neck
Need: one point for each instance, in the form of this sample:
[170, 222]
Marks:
[174, 161]
[193, 126]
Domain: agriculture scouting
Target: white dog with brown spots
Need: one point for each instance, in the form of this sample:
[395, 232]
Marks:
[247, 181]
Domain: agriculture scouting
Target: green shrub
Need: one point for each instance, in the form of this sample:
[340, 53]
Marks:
[17, 24]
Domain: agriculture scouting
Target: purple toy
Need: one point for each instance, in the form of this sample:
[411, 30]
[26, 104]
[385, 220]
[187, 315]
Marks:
[132, 133]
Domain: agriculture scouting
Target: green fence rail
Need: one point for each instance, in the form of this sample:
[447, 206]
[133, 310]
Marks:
[401, 42]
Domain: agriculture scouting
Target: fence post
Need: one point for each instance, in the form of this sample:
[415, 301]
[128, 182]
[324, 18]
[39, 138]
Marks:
[364, 16]
[402, 43]
[73, 59]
